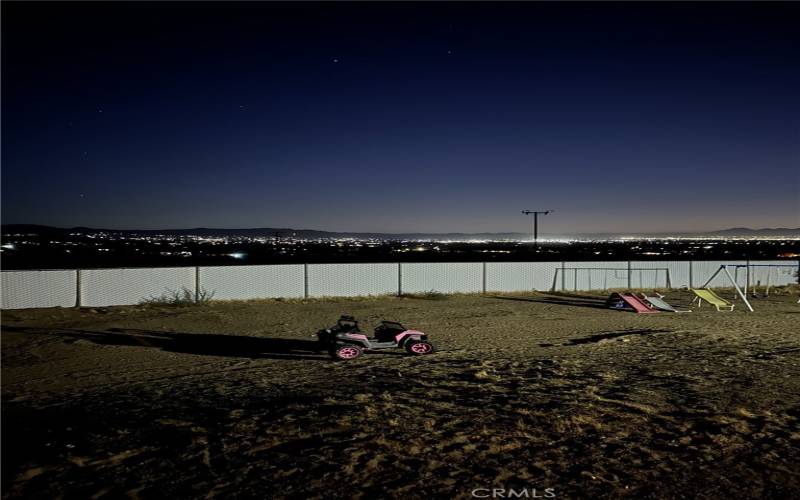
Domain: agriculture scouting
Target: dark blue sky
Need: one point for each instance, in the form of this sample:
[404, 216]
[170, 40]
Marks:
[402, 117]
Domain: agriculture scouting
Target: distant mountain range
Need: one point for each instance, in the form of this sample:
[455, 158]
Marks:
[744, 231]
[316, 234]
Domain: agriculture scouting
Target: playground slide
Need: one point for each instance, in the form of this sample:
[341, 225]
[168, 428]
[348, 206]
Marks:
[628, 301]
[712, 298]
[659, 303]
[636, 303]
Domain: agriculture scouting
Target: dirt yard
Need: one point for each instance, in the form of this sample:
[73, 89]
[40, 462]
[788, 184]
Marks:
[526, 392]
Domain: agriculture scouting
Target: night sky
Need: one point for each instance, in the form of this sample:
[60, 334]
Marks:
[402, 117]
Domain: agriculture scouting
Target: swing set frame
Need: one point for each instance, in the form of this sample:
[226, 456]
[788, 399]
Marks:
[743, 294]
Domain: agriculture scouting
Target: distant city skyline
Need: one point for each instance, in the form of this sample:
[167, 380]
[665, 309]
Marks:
[399, 118]
[48, 248]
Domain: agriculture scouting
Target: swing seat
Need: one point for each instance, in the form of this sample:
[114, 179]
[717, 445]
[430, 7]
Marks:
[712, 298]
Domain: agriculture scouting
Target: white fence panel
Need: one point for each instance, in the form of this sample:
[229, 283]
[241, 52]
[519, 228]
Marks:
[350, 280]
[253, 282]
[26, 289]
[510, 276]
[678, 274]
[544, 273]
[117, 287]
[702, 270]
[780, 273]
[593, 275]
[450, 277]
[520, 276]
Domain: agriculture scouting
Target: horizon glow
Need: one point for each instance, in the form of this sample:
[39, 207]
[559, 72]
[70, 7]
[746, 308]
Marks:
[402, 118]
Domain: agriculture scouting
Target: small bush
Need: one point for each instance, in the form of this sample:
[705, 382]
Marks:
[434, 295]
[180, 298]
[429, 295]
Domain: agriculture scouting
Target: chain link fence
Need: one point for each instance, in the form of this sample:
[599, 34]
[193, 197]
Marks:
[107, 287]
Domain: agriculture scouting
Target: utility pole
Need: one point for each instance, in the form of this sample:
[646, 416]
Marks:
[535, 214]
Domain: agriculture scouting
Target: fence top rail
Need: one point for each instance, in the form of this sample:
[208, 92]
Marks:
[762, 265]
[613, 268]
[174, 268]
[34, 270]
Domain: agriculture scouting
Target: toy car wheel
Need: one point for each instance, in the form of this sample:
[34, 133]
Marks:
[345, 352]
[419, 347]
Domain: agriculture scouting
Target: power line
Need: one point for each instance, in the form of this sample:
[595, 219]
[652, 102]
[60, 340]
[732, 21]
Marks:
[535, 214]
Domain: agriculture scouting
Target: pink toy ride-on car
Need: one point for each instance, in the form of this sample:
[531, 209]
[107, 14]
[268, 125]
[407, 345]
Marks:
[345, 340]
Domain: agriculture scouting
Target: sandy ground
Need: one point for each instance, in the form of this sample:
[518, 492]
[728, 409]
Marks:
[526, 391]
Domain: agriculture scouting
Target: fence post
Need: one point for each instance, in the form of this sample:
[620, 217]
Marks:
[563, 278]
[305, 280]
[629, 275]
[691, 278]
[77, 288]
[747, 278]
[483, 280]
[399, 279]
[197, 283]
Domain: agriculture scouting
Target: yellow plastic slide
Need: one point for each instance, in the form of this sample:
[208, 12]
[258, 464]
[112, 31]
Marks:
[712, 298]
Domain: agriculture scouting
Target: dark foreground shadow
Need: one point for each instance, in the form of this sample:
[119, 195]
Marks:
[612, 335]
[563, 299]
[208, 344]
